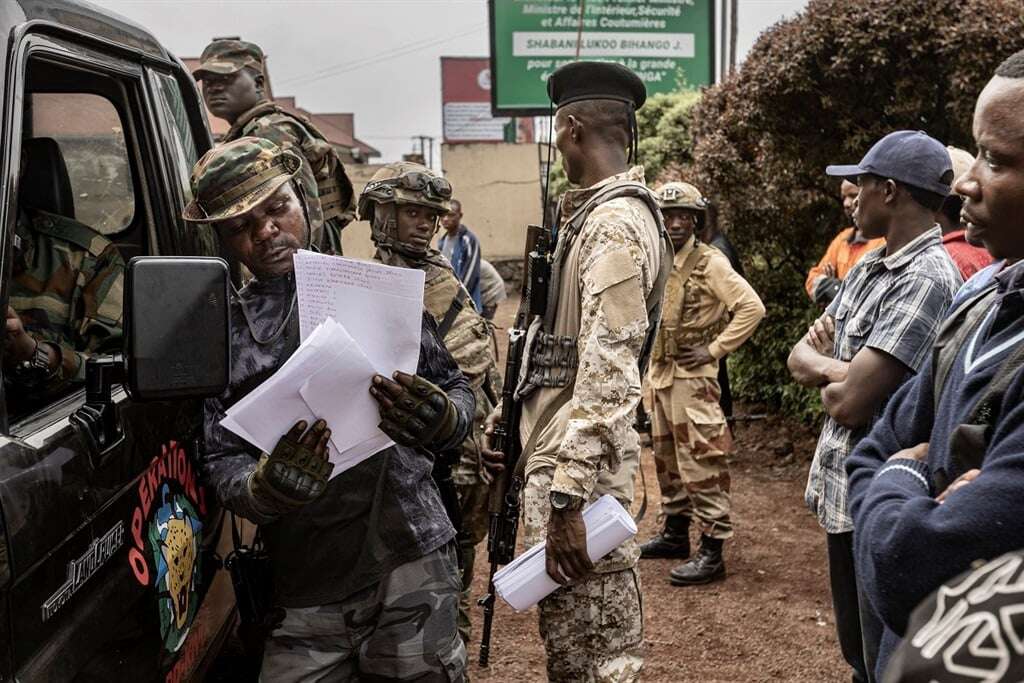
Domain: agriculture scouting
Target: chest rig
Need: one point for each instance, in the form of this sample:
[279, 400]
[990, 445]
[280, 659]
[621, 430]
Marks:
[554, 358]
[677, 331]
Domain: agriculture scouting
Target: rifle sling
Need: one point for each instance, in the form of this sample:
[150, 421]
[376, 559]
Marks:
[445, 326]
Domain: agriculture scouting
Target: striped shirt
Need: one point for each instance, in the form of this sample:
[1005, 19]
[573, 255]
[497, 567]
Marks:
[894, 304]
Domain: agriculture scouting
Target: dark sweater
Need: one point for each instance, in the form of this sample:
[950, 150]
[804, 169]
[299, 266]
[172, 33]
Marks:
[905, 543]
[372, 518]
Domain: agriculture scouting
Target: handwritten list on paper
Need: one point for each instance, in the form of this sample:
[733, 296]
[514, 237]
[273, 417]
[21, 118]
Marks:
[380, 306]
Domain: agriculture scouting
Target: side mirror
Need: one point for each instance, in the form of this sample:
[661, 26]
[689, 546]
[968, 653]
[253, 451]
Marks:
[176, 319]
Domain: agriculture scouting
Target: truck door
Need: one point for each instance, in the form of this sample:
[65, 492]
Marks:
[106, 568]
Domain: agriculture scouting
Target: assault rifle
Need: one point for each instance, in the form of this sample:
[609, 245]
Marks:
[503, 502]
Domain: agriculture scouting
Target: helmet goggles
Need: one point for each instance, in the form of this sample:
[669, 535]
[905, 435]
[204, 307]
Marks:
[433, 188]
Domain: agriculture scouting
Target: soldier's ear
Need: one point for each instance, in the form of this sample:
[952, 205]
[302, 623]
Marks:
[258, 79]
[575, 128]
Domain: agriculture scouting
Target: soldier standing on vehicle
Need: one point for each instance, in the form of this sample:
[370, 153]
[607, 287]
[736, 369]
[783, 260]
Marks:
[709, 311]
[234, 88]
[583, 373]
[65, 303]
[364, 564]
[403, 203]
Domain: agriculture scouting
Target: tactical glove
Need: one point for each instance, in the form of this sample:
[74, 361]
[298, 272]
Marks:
[296, 472]
[416, 412]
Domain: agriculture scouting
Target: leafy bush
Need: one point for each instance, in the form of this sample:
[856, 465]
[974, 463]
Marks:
[818, 89]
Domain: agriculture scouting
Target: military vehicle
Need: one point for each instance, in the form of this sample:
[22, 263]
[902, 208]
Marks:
[109, 565]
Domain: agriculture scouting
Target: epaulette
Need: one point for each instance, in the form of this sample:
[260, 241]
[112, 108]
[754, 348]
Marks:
[69, 230]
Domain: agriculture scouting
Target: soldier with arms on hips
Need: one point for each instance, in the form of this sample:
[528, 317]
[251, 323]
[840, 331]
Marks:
[583, 373]
[403, 203]
[364, 564]
[234, 88]
[709, 311]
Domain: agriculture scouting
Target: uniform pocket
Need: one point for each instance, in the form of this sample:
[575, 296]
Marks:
[710, 434]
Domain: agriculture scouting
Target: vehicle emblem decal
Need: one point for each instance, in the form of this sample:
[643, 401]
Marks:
[166, 538]
[83, 568]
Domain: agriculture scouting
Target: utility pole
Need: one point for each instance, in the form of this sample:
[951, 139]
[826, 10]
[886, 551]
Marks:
[426, 149]
[734, 14]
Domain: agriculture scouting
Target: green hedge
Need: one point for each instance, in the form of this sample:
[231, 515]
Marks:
[818, 89]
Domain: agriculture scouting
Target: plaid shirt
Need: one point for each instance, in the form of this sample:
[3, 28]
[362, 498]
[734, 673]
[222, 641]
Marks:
[894, 304]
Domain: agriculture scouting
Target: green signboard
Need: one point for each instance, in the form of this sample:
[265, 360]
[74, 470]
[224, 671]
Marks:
[669, 43]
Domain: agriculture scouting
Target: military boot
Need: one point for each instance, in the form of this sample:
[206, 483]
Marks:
[706, 567]
[673, 541]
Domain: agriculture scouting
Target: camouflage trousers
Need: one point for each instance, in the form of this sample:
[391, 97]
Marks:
[593, 630]
[401, 629]
[691, 440]
[473, 501]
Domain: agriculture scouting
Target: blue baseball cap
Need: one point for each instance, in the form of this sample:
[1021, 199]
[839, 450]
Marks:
[909, 156]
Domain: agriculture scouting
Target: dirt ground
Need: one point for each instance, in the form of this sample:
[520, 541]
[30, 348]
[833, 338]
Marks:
[770, 620]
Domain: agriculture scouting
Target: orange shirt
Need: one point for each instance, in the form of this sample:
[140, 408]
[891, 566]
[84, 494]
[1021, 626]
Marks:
[843, 255]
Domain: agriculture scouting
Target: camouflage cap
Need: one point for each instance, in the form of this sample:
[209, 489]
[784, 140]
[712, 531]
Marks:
[680, 195]
[234, 177]
[405, 182]
[227, 56]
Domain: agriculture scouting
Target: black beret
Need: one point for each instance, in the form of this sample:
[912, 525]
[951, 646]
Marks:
[595, 81]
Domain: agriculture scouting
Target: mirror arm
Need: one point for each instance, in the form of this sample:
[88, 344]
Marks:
[97, 419]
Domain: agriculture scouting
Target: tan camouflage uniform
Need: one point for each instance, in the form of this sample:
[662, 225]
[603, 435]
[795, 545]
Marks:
[593, 630]
[68, 289]
[470, 342]
[689, 431]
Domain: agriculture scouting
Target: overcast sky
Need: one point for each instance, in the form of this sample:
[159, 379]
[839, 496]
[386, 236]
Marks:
[377, 58]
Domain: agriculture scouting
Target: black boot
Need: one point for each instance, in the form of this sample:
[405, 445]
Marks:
[672, 542]
[706, 567]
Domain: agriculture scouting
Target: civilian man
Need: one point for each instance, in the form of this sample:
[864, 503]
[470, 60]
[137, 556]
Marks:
[873, 336]
[462, 249]
[937, 484]
[848, 247]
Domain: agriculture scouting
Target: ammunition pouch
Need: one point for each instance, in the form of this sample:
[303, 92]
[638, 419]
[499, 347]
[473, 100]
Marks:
[553, 360]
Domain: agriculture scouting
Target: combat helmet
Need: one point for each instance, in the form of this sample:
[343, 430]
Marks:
[680, 195]
[395, 184]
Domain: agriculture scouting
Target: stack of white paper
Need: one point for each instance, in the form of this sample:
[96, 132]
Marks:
[327, 377]
[524, 582]
[380, 306]
[357, 319]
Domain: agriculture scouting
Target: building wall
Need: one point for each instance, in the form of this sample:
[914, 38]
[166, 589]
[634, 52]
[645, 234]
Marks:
[499, 187]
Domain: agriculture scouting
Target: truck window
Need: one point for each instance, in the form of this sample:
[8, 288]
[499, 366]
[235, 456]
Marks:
[181, 144]
[79, 218]
[89, 135]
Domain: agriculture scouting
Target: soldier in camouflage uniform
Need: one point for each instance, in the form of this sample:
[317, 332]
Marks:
[65, 303]
[583, 374]
[364, 564]
[403, 202]
[709, 311]
[233, 79]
